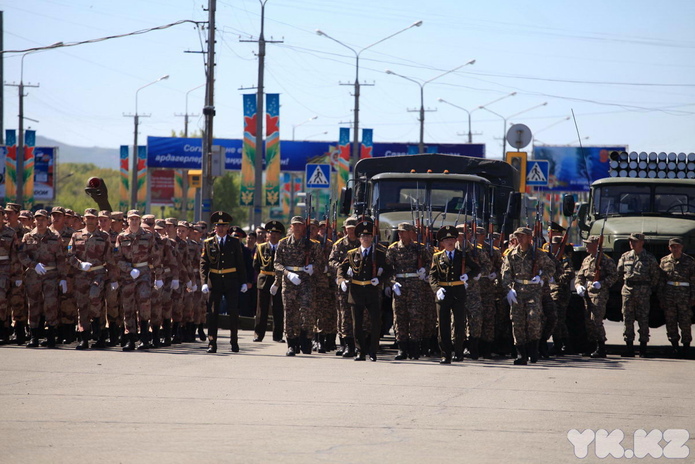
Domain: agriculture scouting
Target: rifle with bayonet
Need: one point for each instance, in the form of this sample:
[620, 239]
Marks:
[599, 253]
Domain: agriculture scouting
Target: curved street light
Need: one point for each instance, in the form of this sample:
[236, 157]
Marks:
[504, 131]
[294, 126]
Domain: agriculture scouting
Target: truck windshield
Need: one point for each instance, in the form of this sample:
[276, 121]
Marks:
[622, 199]
[402, 195]
[678, 200]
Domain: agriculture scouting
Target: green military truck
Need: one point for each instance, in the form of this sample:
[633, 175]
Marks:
[658, 208]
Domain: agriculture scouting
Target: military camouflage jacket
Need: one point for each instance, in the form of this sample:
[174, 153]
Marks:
[9, 259]
[46, 249]
[407, 259]
[293, 255]
[587, 273]
[677, 271]
[517, 268]
[340, 251]
[137, 248]
[93, 247]
[638, 270]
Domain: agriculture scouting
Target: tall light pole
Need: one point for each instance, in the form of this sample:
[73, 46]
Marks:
[422, 85]
[186, 114]
[356, 126]
[470, 133]
[294, 126]
[536, 132]
[184, 177]
[136, 120]
[504, 129]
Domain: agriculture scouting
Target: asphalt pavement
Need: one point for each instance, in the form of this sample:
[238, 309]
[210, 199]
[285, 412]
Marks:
[181, 405]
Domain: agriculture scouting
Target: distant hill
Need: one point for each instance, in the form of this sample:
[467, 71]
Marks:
[101, 157]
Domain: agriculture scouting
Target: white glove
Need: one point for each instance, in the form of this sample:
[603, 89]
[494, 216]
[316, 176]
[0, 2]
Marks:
[274, 289]
[205, 288]
[492, 276]
[441, 293]
[343, 286]
[397, 289]
[17, 283]
[536, 279]
[422, 273]
[581, 290]
[380, 271]
[40, 269]
[464, 278]
[244, 288]
[63, 286]
[596, 285]
[85, 265]
[511, 297]
[134, 274]
[114, 286]
[189, 284]
[309, 269]
[194, 288]
[294, 278]
[175, 284]
[158, 284]
[477, 278]
[349, 272]
[387, 291]
[375, 281]
[325, 269]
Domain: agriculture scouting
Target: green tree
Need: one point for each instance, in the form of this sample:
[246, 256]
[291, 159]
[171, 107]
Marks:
[72, 179]
[226, 192]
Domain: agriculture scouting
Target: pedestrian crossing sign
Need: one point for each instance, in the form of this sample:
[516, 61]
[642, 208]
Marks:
[318, 176]
[537, 173]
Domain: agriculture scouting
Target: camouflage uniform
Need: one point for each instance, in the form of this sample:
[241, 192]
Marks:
[344, 319]
[178, 295]
[408, 308]
[114, 306]
[138, 250]
[43, 290]
[474, 304]
[171, 278]
[549, 315]
[640, 273]
[561, 293]
[595, 299]
[326, 315]
[293, 255]
[517, 273]
[67, 315]
[90, 284]
[488, 288]
[18, 304]
[10, 273]
[676, 295]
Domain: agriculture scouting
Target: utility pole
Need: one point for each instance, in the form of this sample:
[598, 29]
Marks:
[209, 113]
[2, 79]
[257, 216]
[184, 180]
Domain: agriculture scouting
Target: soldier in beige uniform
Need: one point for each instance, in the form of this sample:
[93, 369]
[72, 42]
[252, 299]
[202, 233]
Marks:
[61, 224]
[10, 275]
[18, 301]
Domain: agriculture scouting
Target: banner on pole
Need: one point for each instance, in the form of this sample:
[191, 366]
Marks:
[248, 156]
[272, 150]
[142, 178]
[367, 144]
[124, 185]
[342, 163]
[28, 172]
[11, 166]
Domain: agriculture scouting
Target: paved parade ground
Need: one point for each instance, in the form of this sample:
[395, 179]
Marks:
[177, 405]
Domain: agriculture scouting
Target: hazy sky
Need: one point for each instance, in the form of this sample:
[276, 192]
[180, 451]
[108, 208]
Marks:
[625, 67]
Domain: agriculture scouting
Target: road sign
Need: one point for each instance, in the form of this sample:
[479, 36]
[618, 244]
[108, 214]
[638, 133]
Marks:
[519, 136]
[318, 176]
[537, 173]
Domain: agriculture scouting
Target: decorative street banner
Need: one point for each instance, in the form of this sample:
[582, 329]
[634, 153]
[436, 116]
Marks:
[573, 168]
[342, 162]
[287, 184]
[178, 191]
[272, 150]
[248, 159]
[367, 143]
[142, 178]
[44, 173]
[11, 166]
[28, 173]
[123, 190]
[162, 191]
[186, 153]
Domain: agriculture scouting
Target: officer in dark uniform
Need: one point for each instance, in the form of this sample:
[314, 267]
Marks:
[365, 284]
[449, 276]
[223, 273]
[269, 291]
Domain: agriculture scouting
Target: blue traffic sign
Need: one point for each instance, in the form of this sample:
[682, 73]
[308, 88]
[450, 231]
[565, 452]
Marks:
[318, 176]
[537, 172]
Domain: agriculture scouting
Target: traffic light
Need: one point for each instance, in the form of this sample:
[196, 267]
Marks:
[518, 160]
[195, 178]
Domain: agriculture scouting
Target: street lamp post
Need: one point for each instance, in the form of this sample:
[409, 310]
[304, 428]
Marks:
[356, 125]
[134, 174]
[294, 126]
[504, 129]
[470, 133]
[421, 147]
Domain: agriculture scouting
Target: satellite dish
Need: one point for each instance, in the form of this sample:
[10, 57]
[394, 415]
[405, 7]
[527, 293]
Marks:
[519, 136]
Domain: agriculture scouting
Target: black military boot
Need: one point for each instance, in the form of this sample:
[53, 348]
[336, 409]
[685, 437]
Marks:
[446, 358]
[543, 351]
[156, 341]
[175, 335]
[201, 333]
[675, 352]
[629, 351]
[643, 349]
[144, 336]
[51, 337]
[414, 349]
[685, 351]
[402, 351]
[124, 338]
[350, 347]
[532, 350]
[330, 342]
[291, 344]
[101, 334]
[473, 348]
[113, 335]
[341, 349]
[305, 343]
[34, 340]
[521, 356]
[69, 334]
[4, 334]
[20, 333]
[600, 350]
[321, 348]
[166, 327]
[129, 341]
[212, 344]
[485, 349]
[84, 340]
[558, 348]
[190, 332]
